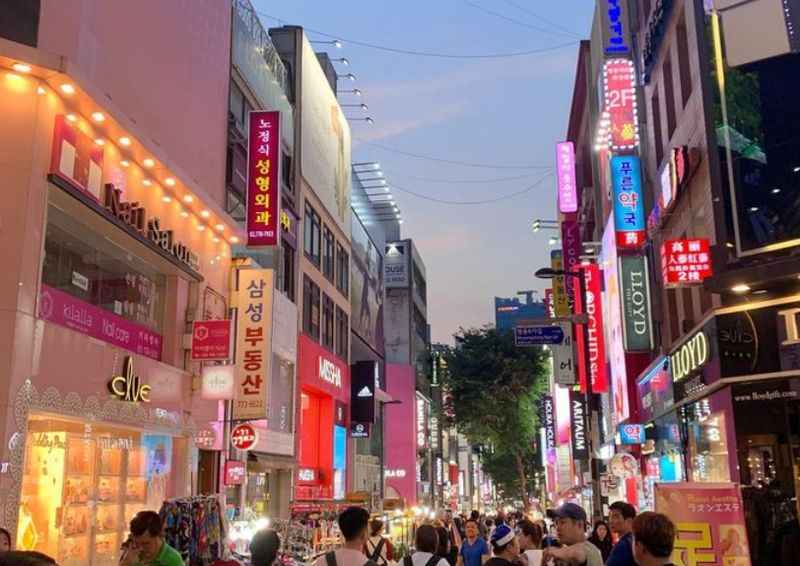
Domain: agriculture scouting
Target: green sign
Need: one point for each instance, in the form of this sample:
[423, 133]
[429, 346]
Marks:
[634, 285]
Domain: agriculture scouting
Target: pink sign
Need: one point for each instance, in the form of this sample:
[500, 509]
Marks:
[709, 521]
[565, 170]
[65, 310]
[234, 472]
[211, 340]
[263, 183]
[400, 465]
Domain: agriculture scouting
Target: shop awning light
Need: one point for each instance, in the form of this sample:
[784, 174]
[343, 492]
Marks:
[67, 88]
[21, 67]
[740, 288]
[205, 214]
[125, 141]
[216, 240]
[234, 240]
[166, 198]
[201, 227]
[149, 162]
[72, 117]
[100, 141]
[40, 90]
[125, 163]
[220, 227]
[188, 199]
[147, 182]
[169, 181]
[184, 214]
[98, 117]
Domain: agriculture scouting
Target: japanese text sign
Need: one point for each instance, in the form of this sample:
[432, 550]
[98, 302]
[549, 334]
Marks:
[253, 343]
[594, 310]
[630, 222]
[565, 170]
[709, 522]
[211, 340]
[685, 261]
[616, 42]
[619, 97]
[263, 182]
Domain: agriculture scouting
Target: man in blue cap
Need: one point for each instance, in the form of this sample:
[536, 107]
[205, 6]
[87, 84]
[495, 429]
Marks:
[570, 520]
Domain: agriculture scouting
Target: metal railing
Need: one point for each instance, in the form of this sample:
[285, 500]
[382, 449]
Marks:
[247, 14]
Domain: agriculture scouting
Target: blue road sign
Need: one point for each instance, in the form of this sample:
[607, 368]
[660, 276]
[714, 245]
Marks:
[538, 335]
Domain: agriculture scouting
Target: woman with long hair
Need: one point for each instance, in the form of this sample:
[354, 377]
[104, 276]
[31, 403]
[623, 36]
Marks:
[530, 541]
[601, 538]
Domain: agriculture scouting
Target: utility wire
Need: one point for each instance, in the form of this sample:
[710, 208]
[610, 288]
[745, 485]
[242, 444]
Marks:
[541, 18]
[473, 202]
[450, 161]
[429, 53]
[517, 22]
[460, 181]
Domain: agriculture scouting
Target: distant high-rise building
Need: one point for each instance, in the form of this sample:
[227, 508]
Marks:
[509, 312]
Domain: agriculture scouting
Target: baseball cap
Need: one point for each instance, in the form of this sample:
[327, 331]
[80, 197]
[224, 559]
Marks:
[502, 535]
[568, 511]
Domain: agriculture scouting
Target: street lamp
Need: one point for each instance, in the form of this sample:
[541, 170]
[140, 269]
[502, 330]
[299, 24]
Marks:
[540, 224]
[355, 91]
[550, 273]
[368, 120]
[362, 106]
[349, 76]
[343, 60]
[336, 43]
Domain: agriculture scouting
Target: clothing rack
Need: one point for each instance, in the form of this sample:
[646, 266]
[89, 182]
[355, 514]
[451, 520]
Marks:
[195, 527]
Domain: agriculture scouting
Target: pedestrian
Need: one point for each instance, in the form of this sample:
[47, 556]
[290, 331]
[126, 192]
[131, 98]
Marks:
[551, 538]
[426, 542]
[378, 547]
[620, 517]
[353, 523]
[476, 516]
[264, 547]
[474, 549]
[443, 545]
[454, 537]
[146, 545]
[601, 538]
[653, 539]
[25, 558]
[5, 540]
[530, 541]
[570, 520]
[504, 546]
[489, 528]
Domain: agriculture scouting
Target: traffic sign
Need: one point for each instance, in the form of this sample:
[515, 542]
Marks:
[244, 436]
[538, 335]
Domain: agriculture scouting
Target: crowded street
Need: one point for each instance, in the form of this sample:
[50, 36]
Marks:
[451, 283]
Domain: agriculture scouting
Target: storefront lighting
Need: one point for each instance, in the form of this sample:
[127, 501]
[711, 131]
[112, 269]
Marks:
[166, 198]
[753, 209]
[775, 191]
[740, 288]
[205, 214]
[220, 227]
[216, 240]
[100, 141]
[184, 214]
[98, 116]
[148, 162]
[72, 117]
[125, 163]
[201, 227]
[125, 141]
[21, 67]
[67, 88]
[796, 169]
[147, 182]
[188, 199]
[234, 240]
[40, 90]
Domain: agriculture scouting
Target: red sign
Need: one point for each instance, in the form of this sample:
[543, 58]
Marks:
[263, 182]
[594, 310]
[685, 261]
[580, 340]
[234, 472]
[211, 340]
[244, 436]
[620, 118]
[77, 158]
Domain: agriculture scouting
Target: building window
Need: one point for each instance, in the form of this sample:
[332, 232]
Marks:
[327, 322]
[655, 104]
[286, 272]
[669, 97]
[672, 313]
[684, 71]
[419, 283]
[236, 105]
[342, 334]
[328, 259]
[20, 21]
[342, 270]
[310, 308]
[311, 235]
[286, 171]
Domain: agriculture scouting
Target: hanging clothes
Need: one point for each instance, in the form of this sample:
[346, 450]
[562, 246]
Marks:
[194, 526]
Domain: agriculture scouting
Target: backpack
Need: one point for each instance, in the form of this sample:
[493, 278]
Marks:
[432, 561]
[330, 559]
[376, 554]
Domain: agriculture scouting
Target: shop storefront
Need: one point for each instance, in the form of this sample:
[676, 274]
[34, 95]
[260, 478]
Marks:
[324, 382]
[101, 416]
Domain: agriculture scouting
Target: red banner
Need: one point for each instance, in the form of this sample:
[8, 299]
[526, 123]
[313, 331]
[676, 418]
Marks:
[211, 340]
[234, 472]
[619, 89]
[263, 182]
[594, 309]
[579, 340]
[685, 261]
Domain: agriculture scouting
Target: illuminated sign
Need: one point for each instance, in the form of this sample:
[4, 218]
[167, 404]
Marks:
[211, 340]
[631, 434]
[549, 421]
[674, 175]
[565, 176]
[244, 436]
[689, 357]
[422, 436]
[129, 386]
[685, 261]
[578, 422]
[398, 473]
[359, 430]
[571, 251]
[218, 383]
[234, 472]
[619, 124]
[617, 42]
[626, 188]
[594, 310]
[329, 372]
[560, 303]
[307, 474]
[263, 183]
[637, 331]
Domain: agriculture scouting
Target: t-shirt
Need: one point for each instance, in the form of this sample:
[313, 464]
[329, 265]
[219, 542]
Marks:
[167, 556]
[593, 555]
[622, 553]
[344, 557]
[497, 561]
[471, 553]
[420, 558]
[534, 557]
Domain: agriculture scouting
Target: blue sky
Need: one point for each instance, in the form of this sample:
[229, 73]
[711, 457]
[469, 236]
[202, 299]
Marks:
[508, 111]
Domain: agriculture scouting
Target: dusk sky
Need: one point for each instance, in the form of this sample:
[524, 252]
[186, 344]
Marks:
[507, 112]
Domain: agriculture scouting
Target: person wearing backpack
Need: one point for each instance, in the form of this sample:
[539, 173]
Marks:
[378, 547]
[353, 523]
[426, 542]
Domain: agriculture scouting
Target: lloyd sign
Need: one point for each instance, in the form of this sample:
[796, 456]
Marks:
[634, 283]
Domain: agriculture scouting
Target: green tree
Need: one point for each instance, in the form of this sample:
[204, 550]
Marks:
[493, 390]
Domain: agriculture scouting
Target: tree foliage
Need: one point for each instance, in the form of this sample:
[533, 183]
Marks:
[493, 390]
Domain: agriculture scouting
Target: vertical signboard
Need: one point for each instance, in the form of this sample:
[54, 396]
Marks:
[626, 186]
[563, 359]
[685, 261]
[560, 303]
[619, 97]
[263, 182]
[619, 406]
[571, 251]
[549, 414]
[565, 171]
[596, 347]
[635, 295]
[578, 426]
[362, 391]
[253, 343]
[616, 27]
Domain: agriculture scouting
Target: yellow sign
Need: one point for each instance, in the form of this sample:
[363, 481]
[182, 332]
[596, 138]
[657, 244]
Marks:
[129, 386]
[560, 301]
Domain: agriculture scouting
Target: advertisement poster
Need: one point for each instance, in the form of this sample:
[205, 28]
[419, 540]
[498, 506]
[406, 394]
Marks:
[263, 181]
[211, 340]
[366, 287]
[709, 520]
[76, 158]
[612, 312]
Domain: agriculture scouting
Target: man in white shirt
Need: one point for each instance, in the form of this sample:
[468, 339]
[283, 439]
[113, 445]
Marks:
[353, 526]
[426, 542]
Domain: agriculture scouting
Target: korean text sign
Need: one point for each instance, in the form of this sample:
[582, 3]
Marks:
[263, 182]
[709, 521]
[211, 340]
[565, 170]
[571, 251]
[619, 97]
[685, 261]
[594, 310]
[253, 343]
[630, 222]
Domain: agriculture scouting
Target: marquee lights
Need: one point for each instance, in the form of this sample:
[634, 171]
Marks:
[618, 127]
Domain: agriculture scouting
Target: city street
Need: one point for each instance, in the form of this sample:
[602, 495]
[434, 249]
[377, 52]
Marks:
[453, 283]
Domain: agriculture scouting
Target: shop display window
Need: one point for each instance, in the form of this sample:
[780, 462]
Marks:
[88, 266]
[83, 482]
[707, 443]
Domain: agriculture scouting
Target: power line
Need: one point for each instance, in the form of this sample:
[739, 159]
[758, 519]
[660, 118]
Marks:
[473, 202]
[541, 18]
[460, 181]
[450, 161]
[430, 53]
[515, 21]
